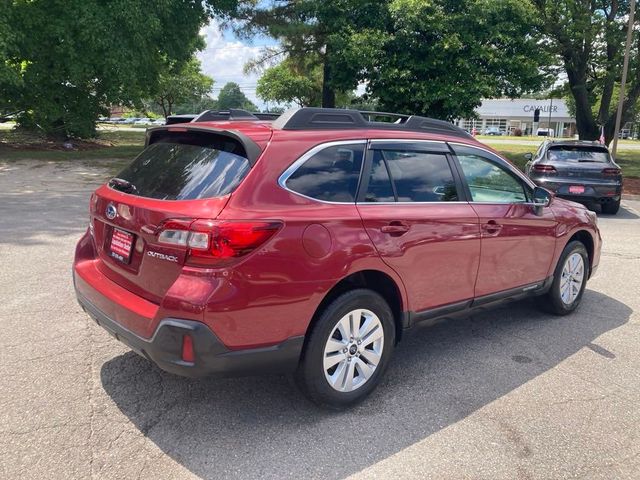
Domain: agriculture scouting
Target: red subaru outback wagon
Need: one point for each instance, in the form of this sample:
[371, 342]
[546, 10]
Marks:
[313, 244]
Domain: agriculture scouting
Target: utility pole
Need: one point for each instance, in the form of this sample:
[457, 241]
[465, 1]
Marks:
[623, 83]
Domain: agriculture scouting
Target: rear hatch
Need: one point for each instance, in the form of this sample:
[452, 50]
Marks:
[179, 178]
[578, 162]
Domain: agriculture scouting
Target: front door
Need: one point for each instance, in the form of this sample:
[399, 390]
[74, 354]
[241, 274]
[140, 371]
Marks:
[517, 245]
[411, 209]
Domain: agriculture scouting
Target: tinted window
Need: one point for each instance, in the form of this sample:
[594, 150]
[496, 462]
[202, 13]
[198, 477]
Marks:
[578, 154]
[418, 176]
[172, 171]
[489, 182]
[331, 175]
[380, 189]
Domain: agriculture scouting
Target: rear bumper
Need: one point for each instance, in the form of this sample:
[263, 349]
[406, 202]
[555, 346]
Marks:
[593, 191]
[211, 357]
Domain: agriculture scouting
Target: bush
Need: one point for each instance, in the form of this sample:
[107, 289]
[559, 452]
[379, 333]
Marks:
[517, 132]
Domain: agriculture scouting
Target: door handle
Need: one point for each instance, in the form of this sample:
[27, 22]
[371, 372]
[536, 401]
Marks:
[492, 227]
[395, 229]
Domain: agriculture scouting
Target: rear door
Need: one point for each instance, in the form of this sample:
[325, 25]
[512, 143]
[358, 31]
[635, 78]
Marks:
[180, 178]
[411, 207]
[517, 245]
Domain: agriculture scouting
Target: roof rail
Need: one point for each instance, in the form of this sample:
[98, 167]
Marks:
[309, 118]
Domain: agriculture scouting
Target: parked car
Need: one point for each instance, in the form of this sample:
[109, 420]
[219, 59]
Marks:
[493, 131]
[578, 170]
[544, 132]
[316, 243]
[144, 121]
[159, 121]
[131, 120]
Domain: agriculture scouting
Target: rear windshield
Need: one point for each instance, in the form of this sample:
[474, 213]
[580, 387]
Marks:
[578, 154]
[175, 171]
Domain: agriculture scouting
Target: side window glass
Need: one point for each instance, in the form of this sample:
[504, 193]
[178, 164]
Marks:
[331, 175]
[489, 182]
[380, 189]
[419, 176]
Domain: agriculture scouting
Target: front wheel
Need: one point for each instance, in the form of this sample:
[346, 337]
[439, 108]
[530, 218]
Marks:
[348, 349]
[569, 281]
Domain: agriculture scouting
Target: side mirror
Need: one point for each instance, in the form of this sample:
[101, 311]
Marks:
[528, 156]
[541, 198]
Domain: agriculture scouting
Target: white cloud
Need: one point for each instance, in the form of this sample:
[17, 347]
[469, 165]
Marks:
[224, 59]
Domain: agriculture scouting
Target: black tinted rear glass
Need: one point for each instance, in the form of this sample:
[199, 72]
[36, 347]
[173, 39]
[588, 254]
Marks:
[173, 171]
[573, 153]
[331, 174]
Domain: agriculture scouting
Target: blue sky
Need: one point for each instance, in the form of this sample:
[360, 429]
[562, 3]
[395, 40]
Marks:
[225, 55]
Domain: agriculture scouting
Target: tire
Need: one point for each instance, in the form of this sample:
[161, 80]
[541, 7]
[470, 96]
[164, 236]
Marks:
[611, 208]
[563, 298]
[337, 386]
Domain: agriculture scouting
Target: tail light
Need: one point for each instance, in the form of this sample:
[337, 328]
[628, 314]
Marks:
[611, 172]
[542, 168]
[216, 243]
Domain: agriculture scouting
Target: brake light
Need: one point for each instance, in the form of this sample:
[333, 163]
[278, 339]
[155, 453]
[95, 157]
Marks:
[611, 172]
[542, 168]
[216, 243]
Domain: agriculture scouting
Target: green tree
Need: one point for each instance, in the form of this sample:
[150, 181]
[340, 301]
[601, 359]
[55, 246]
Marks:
[231, 96]
[313, 31]
[441, 57]
[181, 83]
[285, 83]
[75, 57]
[9, 70]
[587, 38]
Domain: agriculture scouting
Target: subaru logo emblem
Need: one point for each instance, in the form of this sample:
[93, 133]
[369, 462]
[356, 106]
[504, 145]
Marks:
[111, 211]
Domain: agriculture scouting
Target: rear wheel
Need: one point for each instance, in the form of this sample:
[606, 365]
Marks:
[569, 281]
[611, 208]
[348, 349]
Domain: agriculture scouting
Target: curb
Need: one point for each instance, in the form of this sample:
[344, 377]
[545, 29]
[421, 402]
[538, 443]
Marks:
[629, 196]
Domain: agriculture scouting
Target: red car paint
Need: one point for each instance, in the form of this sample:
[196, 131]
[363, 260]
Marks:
[451, 252]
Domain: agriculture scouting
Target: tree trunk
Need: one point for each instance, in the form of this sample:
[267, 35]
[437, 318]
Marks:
[328, 93]
[585, 123]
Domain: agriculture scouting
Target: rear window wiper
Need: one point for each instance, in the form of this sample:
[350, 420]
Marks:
[583, 160]
[123, 185]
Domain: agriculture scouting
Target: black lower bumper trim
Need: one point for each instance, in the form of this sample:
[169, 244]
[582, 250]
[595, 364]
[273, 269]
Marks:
[164, 348]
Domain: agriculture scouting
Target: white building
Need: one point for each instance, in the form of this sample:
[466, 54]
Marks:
[511, 115]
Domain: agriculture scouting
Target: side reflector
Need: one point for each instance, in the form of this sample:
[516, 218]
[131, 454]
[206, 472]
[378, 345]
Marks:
[187, 349]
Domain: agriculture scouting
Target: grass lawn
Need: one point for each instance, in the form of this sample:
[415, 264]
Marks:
[112, 149]
[628, 159]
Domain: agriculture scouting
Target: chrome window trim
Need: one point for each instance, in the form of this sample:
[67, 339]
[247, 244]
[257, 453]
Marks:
[282, 180]
[412, 203]
[402, 140]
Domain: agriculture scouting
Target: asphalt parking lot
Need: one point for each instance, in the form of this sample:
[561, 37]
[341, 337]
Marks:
[510, 394]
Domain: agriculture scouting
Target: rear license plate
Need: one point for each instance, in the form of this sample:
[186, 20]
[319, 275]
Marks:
[576, 189]
[121, 244]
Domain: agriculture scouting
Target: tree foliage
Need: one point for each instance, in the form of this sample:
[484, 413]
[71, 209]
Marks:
[436, 57]
[181, 83]
[75, 57]
[588, 39]
[231, 96]
[312, 32]
[441, 57]
[288, 84]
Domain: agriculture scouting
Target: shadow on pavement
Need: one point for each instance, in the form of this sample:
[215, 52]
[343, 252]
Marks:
[625, 213]
[264, 428]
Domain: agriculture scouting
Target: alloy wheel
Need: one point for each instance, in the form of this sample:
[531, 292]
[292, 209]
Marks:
[353, 350]
[572, 278]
